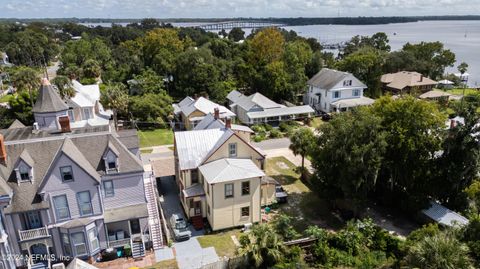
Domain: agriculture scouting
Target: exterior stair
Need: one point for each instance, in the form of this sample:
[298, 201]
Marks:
[154, 219]
[137, 250]
[197, 222]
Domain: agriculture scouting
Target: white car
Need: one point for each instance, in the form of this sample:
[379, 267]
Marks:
[179, 227]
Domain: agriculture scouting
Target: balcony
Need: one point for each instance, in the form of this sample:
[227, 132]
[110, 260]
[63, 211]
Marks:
[33, 234]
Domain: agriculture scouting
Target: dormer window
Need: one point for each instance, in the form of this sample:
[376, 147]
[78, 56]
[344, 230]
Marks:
[24, 173]
[347, 83]
[66, 173]
[111, 162]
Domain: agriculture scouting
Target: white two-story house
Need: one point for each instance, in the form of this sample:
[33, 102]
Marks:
[335, 91]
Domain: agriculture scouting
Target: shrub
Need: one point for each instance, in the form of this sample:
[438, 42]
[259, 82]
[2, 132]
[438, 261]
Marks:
[258, 138]
[258, 128]
[268, 127]
[275, 133]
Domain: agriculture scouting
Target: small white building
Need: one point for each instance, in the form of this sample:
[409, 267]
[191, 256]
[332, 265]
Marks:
[334, 91]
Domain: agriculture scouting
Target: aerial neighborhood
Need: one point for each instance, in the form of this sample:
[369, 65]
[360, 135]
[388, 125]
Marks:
[149, 145]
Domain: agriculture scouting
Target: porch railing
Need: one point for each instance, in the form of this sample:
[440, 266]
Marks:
[33, 233]
[118, 243]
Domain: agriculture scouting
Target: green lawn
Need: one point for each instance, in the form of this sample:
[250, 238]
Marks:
[222, 242]
[284, 172]
[157, 137]
[168, 264]
[459, 91]
[6, 98]
[316, 122]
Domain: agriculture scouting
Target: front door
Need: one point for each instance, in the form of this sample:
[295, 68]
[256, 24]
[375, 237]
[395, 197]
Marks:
[135, 226]
[197, 208]
[33, 220]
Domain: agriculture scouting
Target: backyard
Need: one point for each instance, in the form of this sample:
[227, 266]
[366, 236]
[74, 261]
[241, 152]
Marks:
[167, 264]
[156, 137]
[305, 206]
[222, 242]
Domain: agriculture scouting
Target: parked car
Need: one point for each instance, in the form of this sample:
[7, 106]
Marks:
[280, 194]
[179, 227]
[326, 116]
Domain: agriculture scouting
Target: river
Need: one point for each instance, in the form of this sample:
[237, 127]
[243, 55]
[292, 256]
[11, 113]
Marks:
[461, 37]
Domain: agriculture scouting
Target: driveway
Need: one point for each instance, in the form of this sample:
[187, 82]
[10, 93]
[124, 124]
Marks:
[158, 152]
[189, 254]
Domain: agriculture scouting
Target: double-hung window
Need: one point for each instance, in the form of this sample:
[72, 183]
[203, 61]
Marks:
[66, 173]
[356, 92]
[108, 188]
[112, 162]
[245, 211]
[246, 188]
[232, 150]
[61, 207]
[79, 244]
[228, 190]
[24, 173]
[337, 94]
[71, 116]
[93, 239]
[87, 113]
[67, 248]
[84, 203]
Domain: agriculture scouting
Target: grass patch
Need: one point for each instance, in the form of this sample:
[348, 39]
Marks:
[167, 264]
[6, 98]
[157, 137]
[222, 242]
[146, 151]
[459, 91]
[316, 122]
[285, 173]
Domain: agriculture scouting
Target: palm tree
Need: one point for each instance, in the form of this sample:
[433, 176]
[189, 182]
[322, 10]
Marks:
[115, 97]
[440, 251]
[302, 143]
[26, 79]
[64, 86]
[262, 246]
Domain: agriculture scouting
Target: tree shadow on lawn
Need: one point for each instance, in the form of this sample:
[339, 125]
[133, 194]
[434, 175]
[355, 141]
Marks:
[285, 179]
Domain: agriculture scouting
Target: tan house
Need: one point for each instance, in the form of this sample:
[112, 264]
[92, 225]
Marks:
[406, 82]
[219, 175]
[189, 112]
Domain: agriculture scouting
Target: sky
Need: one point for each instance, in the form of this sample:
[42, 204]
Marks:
[232, 8]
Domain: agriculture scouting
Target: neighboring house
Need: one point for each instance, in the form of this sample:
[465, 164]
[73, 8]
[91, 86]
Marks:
[71, 191]
[213, 121]
[84, 109]
[189, 112]
[4, 60]
[219, 175]
[443, 216]
[436, 95]
[257, 108]
[335, 91]
[405, 82]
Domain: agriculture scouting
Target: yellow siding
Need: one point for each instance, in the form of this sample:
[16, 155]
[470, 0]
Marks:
[186, 120]
[268, 194]
[243, 151]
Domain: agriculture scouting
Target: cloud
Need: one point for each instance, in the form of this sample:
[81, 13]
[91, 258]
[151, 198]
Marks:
[234, 8]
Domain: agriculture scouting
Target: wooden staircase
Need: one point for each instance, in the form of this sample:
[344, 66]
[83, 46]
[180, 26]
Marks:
[197, 222]
[137, 250]
[154, 220]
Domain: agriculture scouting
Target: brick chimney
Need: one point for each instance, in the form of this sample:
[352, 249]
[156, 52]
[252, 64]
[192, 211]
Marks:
[228, 123]
[3, 150]
[216, 113]
[453, 123]
[64, 124]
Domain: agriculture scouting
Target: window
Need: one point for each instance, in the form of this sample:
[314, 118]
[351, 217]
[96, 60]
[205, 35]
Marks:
[111, 162]
[67, 248]
[194, 175]
[84, 203]
[93, 239]
[356, 92]
[87, 113]
[232, 150]
[347, 83]
[24, 173]
[66, 173]
[245, 211]
[246, 188]
[108, 188]
[70, 116]
[61, 207]
[228, 190]
[79, 244]
[336, 94]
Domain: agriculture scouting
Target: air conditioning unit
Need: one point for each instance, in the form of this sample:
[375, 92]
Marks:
[35, 126]
[58, 266]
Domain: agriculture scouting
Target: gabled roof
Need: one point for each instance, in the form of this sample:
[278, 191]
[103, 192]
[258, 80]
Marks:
[16, 124]
[112, 148]
[256, 99]
[188, 105]
[328, 79]
[48, 100]
[209, 122]
[234, 96]
[225, 170]
[85, 95]
[25, 157]
[403, 79]
[194, 146]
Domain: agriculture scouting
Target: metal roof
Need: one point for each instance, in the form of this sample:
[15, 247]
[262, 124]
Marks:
[194, 146]
[352, 102]
[256, 99]
[194, 190]
[284, 111]
[209, 122]
[188, 106]
[443, 215]
[125, 213]
[225, 170]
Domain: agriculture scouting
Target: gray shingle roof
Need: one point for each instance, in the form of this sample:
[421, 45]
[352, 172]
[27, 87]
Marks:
[48, 100]
[328, 78]
[16, 124]
[209, 122]
[224, 170]
[86, 150]
[129, 138]
[256, 99]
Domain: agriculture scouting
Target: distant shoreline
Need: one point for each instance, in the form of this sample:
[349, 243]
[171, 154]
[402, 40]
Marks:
[297, 21]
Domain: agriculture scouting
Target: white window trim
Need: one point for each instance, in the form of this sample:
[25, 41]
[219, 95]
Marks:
[235, 150]
[95, 238]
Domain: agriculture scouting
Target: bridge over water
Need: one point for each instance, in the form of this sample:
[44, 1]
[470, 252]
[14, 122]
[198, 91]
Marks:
[240, 24]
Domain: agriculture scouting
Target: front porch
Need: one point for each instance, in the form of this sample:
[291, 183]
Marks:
[347, 104]
[194, 203]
